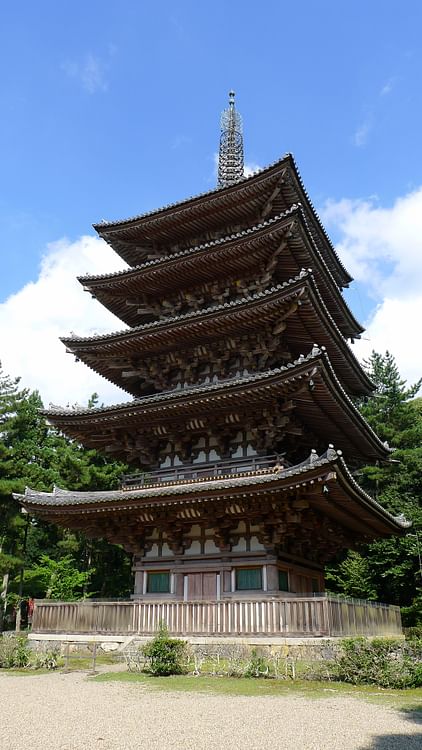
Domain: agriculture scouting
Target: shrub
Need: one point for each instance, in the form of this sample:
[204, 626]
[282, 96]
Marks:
[257, 666]
[413, 633]
[14, 652]
[385, 662]
[235, 664]
[50, 659]
[166, 655]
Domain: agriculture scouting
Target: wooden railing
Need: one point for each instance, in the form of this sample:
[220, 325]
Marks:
[294, 616]
[199, 471]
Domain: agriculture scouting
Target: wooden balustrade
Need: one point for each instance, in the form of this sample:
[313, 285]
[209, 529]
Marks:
[293, 616]
[190, 472]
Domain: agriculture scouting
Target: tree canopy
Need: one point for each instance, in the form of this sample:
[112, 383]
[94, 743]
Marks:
[58, 563]
[389, 569]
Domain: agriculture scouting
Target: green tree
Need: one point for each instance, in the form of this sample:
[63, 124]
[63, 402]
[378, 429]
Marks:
[57, 579]
[34, 454]
[352, 577]
[11, 523]
[396, 416]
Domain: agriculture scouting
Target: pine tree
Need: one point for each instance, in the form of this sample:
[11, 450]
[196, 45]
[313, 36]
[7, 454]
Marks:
[36, 455]
[396, 416]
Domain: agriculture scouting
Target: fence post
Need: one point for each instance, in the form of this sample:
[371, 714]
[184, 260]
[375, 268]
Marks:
[94, 657]
[327, 614]
[66, 657]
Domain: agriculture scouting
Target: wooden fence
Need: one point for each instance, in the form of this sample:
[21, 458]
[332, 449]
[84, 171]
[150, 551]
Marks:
[294, 616]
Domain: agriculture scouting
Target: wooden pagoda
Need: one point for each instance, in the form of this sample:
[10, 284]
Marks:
[236, 355]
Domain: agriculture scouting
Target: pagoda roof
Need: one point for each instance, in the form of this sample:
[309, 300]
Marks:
[229, 255]
[310, 322]
[331, 488]
[279, 183]
[319, 400]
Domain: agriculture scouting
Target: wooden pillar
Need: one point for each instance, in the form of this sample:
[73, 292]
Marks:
[178, 584]
[227, 581]
[272, 577]
[139, 582]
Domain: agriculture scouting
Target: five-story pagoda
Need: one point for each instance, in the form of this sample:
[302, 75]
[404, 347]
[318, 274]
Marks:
[242, 378]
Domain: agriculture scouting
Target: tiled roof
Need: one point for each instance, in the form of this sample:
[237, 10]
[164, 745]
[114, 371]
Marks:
[196, 248]
[60, 498]
[76, 344]
[100, 226]
[337, 300]
[110, 226]
[66, 417]
[185, 317]
[174, 395]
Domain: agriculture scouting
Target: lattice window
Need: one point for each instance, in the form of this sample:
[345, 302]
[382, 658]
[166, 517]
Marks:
[248, 579]
[283, 580]
[158, 583]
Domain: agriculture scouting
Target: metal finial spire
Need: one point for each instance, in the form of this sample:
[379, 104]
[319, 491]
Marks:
[230, 159]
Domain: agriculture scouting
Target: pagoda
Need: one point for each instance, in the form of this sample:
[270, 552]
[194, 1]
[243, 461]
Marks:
[237, 360]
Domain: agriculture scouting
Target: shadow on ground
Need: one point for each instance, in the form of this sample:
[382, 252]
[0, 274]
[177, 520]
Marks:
[396, 742]
[412, 713]
[400, 741]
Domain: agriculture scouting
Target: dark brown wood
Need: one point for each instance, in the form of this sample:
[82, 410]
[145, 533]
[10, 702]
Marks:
[236, 350]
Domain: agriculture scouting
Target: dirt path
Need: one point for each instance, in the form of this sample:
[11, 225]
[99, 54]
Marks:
[70, 712]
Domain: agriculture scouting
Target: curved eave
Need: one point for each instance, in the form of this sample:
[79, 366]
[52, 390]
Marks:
[230, 204]
[339, 271]
[346, 501]
[309, 323]
[319, 400]
[396, 524]
[229, 257]
[329, 290]
[122, 279]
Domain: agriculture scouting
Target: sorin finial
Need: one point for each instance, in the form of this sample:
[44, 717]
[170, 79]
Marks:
[230, 159]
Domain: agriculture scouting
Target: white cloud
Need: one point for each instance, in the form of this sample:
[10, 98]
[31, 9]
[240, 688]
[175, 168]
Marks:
[388, 86]
[91, 72]
[382, 248]
[32, 320]
[250, 168]
[361, 134]
[392, 328]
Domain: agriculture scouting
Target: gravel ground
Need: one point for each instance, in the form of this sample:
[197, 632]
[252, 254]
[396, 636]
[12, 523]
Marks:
[69, 712]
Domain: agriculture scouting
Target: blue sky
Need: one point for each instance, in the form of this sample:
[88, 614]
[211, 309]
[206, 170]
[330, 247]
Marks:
[112, 109]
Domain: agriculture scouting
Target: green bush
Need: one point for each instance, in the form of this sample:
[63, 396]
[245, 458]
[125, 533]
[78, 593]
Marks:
[413, 633]
[165, 655]
[257, 666]
[14, 652]
[50, 659]
[386, 662]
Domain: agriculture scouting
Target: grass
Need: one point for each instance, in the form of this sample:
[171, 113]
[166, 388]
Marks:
[409, 700]
[75, 663]
[84, 662]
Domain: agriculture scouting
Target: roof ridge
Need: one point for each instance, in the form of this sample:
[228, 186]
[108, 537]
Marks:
[238, 302]
[314, 461]
[197, 248]
[319, 222]
[316, 353]
[103, 224]
[163, 395]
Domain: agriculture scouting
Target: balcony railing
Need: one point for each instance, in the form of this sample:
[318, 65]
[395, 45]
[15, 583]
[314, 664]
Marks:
[296, 616]
[190, 472]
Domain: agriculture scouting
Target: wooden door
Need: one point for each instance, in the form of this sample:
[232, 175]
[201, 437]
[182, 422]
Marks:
[202, 586]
